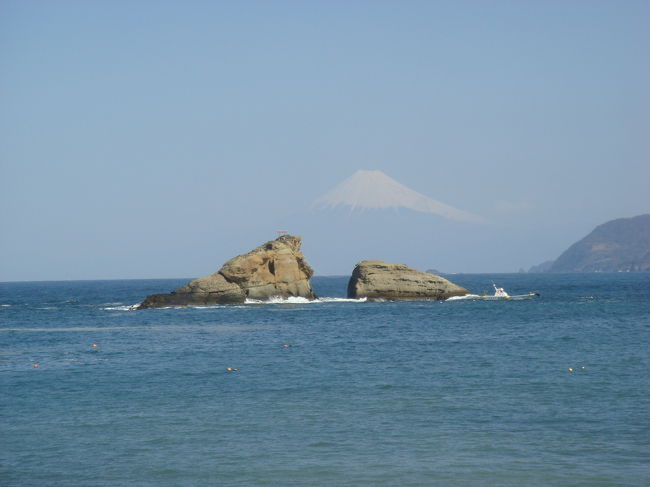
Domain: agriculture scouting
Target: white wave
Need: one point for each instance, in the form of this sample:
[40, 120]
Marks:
[301, 300]
[130, 307]
[466, 296]
[342, 300]
[280, 300]
[4, 305]
[271, 300]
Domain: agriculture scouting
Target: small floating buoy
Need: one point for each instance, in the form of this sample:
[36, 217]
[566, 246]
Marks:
[94, 345]
[570, 369]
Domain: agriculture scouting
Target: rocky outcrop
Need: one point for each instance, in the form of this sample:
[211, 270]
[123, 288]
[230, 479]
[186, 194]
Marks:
[277, 268]
[375, 279]
[212, 289]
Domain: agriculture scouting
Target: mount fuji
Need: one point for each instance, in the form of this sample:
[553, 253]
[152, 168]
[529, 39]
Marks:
[375, 190]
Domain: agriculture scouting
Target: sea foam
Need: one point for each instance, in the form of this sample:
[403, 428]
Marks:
[271, 300]
[301, 300]
[128, 307]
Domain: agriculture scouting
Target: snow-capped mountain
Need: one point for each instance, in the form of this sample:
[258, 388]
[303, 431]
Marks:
[375, 190]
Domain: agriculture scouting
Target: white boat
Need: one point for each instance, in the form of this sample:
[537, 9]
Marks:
[500, 293]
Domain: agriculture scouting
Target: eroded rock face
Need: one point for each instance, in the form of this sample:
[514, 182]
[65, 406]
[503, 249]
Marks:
[276, 268]
[376, 279]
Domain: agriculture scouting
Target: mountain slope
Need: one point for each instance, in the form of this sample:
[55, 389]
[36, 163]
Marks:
[375, 190]
[618, 245]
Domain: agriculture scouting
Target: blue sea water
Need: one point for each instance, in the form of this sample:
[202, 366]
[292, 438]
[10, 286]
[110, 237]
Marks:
[552, 391]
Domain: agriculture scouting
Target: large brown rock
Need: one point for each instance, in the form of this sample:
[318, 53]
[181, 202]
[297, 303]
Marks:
[277, 268]
[376, 279]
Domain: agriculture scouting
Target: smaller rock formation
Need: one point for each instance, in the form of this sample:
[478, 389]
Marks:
[277, 268]
[543, 267]
[375, 279]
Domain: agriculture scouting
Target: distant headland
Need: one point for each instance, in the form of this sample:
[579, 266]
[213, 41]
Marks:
[621, 245]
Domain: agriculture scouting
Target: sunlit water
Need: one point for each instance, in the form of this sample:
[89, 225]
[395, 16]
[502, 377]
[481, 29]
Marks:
[552, 391]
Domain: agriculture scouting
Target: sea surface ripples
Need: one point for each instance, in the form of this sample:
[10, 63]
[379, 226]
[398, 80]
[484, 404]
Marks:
[550, 391]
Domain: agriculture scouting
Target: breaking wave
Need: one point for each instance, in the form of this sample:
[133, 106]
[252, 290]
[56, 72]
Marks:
[271, 300]
[301, 300]
[129, 307]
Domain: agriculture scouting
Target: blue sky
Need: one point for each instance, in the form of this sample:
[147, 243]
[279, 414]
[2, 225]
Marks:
[157, 139]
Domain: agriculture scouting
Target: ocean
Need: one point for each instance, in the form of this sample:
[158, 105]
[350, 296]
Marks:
[551, 391]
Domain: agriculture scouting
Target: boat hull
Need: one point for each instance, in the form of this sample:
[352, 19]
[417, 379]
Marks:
[516, 297]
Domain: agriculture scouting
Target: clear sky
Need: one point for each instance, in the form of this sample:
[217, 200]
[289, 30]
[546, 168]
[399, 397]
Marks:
[157, 138]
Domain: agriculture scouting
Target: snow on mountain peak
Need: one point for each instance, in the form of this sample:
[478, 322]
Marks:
[375, 190]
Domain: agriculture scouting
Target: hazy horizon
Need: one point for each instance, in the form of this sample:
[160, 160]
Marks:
[159, 139]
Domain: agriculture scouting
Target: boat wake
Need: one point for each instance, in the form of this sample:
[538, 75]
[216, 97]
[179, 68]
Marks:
[461, 298]
[517, 297]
